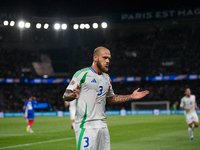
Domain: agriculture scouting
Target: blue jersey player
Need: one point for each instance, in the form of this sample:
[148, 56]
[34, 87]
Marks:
[29, 112]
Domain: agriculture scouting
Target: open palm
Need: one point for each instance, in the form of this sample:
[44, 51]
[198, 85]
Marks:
[137, 95]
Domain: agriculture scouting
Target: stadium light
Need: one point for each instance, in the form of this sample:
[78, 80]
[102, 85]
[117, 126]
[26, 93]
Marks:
[82, 26]
[27, 25]
[104, 25]
[12, 23]
[5, 23]
[38, 25]
[75, 26]
[46, 26]
[95, 25]
[87, 26]
[45, 76]
[64, 26]
[21, 24]
[57, 26]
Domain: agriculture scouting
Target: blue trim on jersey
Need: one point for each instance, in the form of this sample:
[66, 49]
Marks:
[93, 70]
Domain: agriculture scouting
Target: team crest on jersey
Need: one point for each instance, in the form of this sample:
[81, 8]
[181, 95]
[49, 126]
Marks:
[72, 82]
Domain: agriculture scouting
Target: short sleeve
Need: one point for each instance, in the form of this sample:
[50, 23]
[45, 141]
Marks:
[182, 104]
[110, 90]
[194, 98]
[74, 82]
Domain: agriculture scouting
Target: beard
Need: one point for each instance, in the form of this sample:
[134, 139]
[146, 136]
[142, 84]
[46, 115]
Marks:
[103, 69]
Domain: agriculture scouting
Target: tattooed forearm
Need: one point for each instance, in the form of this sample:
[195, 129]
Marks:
[68, 95]
[119, 99]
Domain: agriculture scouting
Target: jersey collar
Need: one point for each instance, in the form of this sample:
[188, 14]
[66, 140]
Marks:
[94, 70]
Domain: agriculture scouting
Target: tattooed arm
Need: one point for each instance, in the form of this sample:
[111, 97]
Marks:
[116, 99]
[70, 95]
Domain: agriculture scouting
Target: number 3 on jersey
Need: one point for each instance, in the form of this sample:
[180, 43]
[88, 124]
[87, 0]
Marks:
[100, 90]
[86, 141]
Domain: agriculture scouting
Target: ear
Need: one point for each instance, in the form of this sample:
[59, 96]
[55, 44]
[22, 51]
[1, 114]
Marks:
[95, 57]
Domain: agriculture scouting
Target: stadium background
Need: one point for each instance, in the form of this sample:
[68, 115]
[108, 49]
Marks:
[144, 44]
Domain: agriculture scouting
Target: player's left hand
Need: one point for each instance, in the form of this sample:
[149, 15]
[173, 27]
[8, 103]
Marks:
[137, 95]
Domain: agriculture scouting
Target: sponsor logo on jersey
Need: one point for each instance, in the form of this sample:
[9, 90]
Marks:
[72, 82]
[94, 81]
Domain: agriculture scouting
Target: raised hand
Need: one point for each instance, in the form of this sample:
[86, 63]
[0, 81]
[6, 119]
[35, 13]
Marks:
[137, 95]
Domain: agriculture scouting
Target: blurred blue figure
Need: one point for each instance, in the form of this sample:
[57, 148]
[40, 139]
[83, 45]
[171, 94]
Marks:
[29, 112]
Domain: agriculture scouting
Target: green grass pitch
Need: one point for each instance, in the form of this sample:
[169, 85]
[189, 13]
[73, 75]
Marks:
[137, 132]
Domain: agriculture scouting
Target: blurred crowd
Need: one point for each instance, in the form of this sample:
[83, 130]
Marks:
[17, 64]
[158, 49]
[13, 96]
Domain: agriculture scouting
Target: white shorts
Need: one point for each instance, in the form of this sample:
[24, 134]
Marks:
[192, 117]
[92, 138]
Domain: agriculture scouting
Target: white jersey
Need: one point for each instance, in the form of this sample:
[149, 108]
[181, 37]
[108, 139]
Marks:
[72, 108]
[189, 102]
[72, 105]
[94, 89]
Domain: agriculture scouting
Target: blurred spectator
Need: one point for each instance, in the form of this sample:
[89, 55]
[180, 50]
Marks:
[14, 95]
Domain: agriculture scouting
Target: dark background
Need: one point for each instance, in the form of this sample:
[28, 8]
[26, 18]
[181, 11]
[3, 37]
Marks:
[89, 7]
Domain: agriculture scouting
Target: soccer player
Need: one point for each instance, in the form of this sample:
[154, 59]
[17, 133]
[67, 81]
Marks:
[188, 104]
[92, 87]
[174, 107]
[29, 112]
[72, 110]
